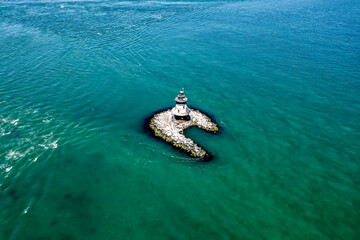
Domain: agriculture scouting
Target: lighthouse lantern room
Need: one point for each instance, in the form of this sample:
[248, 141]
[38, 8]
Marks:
[181, 110]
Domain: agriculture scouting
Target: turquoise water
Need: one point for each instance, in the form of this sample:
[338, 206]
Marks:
[78, 78]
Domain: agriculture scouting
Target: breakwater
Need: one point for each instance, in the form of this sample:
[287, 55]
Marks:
[170, 130]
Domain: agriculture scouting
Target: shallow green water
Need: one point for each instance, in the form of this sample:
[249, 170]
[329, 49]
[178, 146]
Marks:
[78, 78]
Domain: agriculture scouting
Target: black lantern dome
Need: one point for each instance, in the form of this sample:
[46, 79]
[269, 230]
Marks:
[181, 98]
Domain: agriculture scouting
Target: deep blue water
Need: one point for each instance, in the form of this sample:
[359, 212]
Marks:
[78, 78]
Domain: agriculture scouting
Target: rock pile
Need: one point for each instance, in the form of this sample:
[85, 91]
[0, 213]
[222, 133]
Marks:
[166, 127]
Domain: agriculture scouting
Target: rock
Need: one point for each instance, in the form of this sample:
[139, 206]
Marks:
[167, 128]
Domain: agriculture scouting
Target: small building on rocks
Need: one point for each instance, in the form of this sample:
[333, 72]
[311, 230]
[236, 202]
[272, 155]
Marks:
[170, 124]
[181, 110]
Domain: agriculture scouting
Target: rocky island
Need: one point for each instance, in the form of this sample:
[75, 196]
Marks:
[170, 124]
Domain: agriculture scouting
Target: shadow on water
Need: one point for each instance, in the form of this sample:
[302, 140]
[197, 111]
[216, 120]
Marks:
[70, 184]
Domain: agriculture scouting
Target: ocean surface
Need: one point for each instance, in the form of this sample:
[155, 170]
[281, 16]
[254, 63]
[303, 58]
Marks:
[78, 78]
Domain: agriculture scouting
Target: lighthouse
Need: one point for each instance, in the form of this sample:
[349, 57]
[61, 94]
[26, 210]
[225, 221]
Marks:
[181, 111]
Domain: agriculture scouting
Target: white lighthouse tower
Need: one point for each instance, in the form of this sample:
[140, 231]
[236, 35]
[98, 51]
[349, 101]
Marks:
[181, 111]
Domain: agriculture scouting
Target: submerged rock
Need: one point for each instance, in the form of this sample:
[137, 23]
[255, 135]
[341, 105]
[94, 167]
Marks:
[166, 127]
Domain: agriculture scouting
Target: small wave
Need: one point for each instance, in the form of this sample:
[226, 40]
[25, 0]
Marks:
[172, 3]
[52, 145]
[3, 133]
[48, 135]
[43, 145]
[46, 120]
[157, 17]
[15, 122]
[223, 123]
[26, 209]
[129, 26]
[13, 155]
